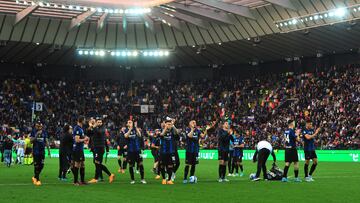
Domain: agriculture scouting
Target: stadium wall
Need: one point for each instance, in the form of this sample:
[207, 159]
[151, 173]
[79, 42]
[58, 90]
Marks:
[323, 155]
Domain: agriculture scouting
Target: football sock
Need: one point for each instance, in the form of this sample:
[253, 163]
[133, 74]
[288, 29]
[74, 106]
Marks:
[97, 171]
[105, 169]
[131, 170]
[237, 169]
[241, 168]
[220, 171]
[119, 162]
[124, 165]
[76, 174]
[286, 169]
[296, 172]
[36, 172]
[162, 172]
[306, 170]
[186, 171]
[141, 172]
[82, 174]
[192, 170]
[233, 166]
[169, 171]
[223, 171]
[229, 166]
[312, 169]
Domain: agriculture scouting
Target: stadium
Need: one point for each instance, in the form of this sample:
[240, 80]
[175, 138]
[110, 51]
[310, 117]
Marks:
[179, 100]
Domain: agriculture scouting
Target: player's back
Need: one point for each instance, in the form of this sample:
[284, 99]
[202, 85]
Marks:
[290, 138]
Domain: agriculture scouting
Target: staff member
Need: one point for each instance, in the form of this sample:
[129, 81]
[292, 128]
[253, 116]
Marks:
[263, 150]
[65, 151]
[99, 147]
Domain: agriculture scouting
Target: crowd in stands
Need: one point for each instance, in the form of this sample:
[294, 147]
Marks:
[258, 107]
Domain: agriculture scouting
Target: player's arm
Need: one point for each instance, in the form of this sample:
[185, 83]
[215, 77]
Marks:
[127, 134]
[138, 132]
[307, 136]
[164, 131]
[242, 144]
[153, 146]
[79, 140]
[191, 133]
[297, 135]
[202, 135]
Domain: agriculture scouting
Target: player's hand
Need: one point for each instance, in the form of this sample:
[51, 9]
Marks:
[125, 147]
[118, 147]
[317, 130]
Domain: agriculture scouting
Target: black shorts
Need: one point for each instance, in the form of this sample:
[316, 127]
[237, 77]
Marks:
[231, 153]
[167, 159]
[291, 155]
[310, 155]
[237, 159]
[78, 156]
[122, 152]
[28, 151]
[99, 154]
[223, 155]
[39, 159]
[192, 158]
[133, 157]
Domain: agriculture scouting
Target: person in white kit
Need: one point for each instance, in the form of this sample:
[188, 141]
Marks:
[263, 150]
[20, 150]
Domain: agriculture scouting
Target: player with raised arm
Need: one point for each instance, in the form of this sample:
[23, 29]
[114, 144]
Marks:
[291, 155]
[193, 135]
[78, 151]
[308, 135]
[132, 134]
[38, 138]
[224, 138]
[238, 153]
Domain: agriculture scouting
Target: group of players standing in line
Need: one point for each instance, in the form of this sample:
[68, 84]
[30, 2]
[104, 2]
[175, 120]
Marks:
[164, 150]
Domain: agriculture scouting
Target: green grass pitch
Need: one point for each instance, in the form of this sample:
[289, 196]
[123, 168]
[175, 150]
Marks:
[334, 182]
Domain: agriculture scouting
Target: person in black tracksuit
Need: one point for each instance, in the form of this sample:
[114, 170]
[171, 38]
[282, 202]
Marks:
[65, 151]
[99, 144]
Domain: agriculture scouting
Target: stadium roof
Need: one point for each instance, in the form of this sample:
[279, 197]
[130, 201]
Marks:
[197, 32]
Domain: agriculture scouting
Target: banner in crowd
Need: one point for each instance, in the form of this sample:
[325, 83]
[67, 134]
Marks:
[323, 155]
